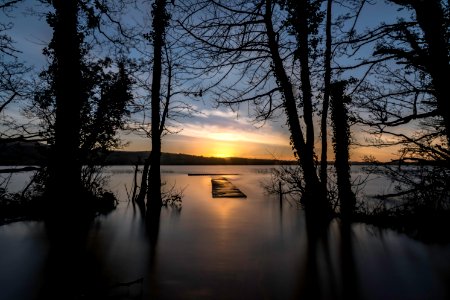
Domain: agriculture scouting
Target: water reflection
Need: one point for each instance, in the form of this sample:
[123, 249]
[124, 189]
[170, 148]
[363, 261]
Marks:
[218, 249]
[348, 268]
[70, 270]
[316, 270]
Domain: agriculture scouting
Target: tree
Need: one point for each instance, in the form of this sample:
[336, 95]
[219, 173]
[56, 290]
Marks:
[430, 51]
[305, 17]
[326, 96]
[341, 144]
[12, 71]
[399, 98]
[159, 24]
[65, 50]
[403, 84]
[167, 94]
[246, 47]
[82, 105]
[164, 114]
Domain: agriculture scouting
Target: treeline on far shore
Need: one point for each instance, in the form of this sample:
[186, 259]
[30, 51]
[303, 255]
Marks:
[33, 153]
[28, 153]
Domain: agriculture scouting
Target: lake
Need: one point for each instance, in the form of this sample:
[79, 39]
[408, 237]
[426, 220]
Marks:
[220, 248]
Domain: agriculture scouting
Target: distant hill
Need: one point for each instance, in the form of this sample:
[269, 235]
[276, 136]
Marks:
[22, 153]
[33, 153]
[129, 158]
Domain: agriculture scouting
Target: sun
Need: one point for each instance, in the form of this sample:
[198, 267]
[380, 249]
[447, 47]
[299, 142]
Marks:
[222, 155]
[223, 150]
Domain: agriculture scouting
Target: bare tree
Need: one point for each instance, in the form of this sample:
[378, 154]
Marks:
[399, 101]
[428, 52]
[326, 95]
[168, 89]
[13, 83]
[402, 84]
[159, 24]
[247, 49]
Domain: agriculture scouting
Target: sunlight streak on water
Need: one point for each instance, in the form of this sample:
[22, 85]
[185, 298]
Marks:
[222, 249]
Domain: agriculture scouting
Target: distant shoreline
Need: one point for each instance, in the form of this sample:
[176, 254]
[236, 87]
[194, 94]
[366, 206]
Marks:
[33, 154]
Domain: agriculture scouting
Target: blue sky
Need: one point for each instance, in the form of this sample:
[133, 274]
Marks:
[211, 131]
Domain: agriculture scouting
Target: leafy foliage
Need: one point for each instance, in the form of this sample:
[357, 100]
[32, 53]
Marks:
[107, 94]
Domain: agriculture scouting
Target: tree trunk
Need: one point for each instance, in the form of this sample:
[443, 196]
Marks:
[303, 150]
[341, 137]
[326, 99]
[154, 200]
[430, 16]
[154, 197]
[135, 186]
[316, 193]
[65, 166]
[140, 199]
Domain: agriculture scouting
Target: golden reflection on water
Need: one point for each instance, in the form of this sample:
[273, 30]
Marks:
[224, 208]
[223, 248]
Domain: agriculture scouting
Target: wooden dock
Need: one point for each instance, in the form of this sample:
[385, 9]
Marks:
[211, 174]
[223, 188]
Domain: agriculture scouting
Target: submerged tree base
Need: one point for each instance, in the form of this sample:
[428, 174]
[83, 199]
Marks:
[15, 207]
[429, 227]
[422, 214]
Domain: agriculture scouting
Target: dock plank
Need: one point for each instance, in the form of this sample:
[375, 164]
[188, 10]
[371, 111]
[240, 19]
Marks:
[212, 174]
[223, 188]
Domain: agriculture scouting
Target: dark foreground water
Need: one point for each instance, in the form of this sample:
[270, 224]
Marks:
[220, 249]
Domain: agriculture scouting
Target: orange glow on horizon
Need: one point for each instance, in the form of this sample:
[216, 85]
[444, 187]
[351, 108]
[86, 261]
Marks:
[227, 148]
[222, 150]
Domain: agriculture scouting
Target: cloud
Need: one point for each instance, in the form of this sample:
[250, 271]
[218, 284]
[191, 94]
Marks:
[222, 125]
[219, 148]
[220, 133]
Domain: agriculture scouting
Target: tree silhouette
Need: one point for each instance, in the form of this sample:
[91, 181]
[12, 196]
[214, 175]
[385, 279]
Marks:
[82, 104]
[65, 50]
[260, 53]
[326, 96]
[159, 24]
[13, 72]
[305, 17]
[403, 85]
[429, 51]
[399, 97]
[341, 144]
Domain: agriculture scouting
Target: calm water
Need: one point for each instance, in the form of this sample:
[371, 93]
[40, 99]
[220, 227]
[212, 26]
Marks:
[221, 249]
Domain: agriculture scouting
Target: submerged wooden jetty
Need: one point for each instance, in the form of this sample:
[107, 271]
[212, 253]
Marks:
[223, 188]
[212, 174]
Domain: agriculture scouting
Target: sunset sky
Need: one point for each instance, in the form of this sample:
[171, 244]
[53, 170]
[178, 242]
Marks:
[212, 131]
[219, 133]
